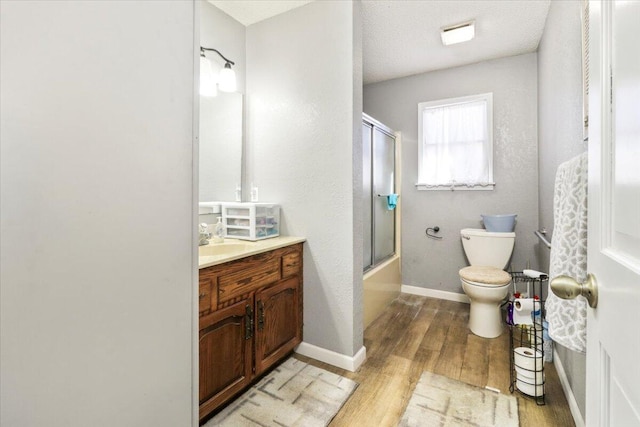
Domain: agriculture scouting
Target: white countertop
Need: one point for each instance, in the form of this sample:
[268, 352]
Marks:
[233, 249]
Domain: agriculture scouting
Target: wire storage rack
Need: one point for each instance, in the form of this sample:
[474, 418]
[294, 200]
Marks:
[527, 336]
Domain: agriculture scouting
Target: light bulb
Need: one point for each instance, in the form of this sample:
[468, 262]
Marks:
[207, 80]
[227, 82]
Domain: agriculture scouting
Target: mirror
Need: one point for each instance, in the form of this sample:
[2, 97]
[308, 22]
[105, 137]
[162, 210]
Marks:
[221, 147]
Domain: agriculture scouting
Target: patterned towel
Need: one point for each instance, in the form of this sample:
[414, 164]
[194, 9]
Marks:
[568, 318]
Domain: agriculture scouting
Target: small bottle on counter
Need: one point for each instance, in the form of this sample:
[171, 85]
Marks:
[218, 236]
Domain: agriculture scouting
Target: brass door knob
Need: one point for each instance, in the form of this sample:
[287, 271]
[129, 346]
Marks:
[566, 287]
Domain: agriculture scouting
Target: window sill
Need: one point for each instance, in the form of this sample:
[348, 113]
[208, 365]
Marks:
[455, 187]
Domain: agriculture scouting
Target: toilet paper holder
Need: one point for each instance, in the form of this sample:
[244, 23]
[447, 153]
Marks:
[434, 230]
[529, 345]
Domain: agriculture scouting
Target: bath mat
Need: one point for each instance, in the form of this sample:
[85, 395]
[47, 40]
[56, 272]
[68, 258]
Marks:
[293, 394]
[441, 401]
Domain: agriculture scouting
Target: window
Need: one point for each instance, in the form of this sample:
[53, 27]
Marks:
[455, 143]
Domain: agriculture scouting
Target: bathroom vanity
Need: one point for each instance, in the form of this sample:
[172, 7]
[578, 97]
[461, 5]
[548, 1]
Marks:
[250, 313]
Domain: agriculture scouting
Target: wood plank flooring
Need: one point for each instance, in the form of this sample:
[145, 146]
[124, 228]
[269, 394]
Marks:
[416, 334]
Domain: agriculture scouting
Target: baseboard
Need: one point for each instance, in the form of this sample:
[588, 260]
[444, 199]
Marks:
[573, 405]
[331, 357]
[434, 293]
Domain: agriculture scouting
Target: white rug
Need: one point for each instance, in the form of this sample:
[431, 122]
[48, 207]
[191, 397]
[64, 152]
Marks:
[441, 401]
[293, 394]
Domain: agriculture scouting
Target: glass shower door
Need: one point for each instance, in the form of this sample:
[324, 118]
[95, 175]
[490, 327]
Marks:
[367, 191]
[378, 154]
[383, 185]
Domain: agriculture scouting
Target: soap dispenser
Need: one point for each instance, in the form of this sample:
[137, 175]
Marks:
[218, 236]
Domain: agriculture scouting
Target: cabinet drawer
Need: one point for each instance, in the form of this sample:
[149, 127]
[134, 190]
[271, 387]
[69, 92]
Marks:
[257, 273]
[291, 264]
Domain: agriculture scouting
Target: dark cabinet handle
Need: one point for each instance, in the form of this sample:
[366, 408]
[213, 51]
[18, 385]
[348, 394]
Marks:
[260, 315]
[248, 331]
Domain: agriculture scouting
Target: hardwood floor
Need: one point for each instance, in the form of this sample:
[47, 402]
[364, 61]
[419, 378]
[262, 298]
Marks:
[417, 334]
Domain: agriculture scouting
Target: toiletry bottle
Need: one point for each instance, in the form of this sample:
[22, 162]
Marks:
[218, 236]
[536, 314]
[535, 333]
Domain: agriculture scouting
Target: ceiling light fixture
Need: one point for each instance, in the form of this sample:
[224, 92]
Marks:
[458, 33]
[226, 80]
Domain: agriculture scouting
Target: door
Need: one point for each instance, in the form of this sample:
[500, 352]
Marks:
[278, 324]
[613, 338]
[225, 354]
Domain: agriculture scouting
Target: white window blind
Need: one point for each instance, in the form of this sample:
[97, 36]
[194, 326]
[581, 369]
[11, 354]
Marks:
[455, 143]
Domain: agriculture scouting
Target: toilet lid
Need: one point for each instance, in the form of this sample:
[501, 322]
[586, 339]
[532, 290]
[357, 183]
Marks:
[485, 275]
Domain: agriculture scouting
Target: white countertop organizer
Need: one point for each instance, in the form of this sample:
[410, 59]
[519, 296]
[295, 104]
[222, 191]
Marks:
[251, 221]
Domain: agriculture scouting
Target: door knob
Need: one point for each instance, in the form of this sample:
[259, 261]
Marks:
[566, 287]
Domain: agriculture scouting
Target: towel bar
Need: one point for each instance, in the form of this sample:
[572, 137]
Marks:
[541, 235]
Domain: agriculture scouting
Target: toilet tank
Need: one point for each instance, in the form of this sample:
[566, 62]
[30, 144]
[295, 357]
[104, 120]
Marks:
[487, 248]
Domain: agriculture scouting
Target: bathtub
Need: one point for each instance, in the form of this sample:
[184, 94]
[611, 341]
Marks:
[381, 286]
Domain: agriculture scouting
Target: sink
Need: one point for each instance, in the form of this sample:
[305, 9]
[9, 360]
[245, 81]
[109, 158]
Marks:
[223, 249]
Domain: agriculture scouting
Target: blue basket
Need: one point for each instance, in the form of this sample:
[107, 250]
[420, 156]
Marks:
[499, 223]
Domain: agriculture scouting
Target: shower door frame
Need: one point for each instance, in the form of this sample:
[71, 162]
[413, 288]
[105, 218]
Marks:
[373, 125]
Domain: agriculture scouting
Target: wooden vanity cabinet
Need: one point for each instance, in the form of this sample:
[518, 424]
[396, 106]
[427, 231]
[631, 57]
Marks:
[250, 319]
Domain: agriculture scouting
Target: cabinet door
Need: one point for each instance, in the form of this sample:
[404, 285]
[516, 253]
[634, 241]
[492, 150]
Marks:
[204, 295]
[278, 322]
[226, 338]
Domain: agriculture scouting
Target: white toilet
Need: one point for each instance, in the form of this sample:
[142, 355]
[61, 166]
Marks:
[485, 282]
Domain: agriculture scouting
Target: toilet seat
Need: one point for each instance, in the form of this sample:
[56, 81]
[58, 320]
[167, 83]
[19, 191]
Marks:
[485, 276]
[484, 285]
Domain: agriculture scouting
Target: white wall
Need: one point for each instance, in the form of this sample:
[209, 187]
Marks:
[96, 293]
[303, 115]
[432, 263]
[560, 136]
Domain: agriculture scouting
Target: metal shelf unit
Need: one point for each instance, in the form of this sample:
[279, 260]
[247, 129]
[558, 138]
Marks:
[526, 352]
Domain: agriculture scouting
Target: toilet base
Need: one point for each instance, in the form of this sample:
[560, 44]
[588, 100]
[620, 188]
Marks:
[485, 319]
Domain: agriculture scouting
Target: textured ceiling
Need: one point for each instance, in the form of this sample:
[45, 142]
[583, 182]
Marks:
[249, 12]
[402, 37]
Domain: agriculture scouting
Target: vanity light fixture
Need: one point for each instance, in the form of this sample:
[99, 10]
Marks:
[226, 80]
[458, 33]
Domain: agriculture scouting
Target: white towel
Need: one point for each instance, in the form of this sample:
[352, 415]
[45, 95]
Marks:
[568, 318]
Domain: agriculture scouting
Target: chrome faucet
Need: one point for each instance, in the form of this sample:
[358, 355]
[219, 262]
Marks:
[203, 234]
